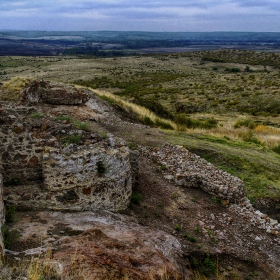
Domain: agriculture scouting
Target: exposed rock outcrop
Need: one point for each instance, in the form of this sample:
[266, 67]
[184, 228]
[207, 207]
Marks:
[103, 245]
[47, 92]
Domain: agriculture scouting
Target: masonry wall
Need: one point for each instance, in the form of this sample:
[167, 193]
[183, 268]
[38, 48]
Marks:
[2, 216]
[21, 154]
[88, 178]
[40, 173]
[189, 170]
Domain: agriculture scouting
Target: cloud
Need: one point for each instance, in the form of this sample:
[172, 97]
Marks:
[158, 15]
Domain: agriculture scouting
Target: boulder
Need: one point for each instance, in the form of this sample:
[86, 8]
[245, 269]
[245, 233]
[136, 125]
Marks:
[57, 94]
[102, 245]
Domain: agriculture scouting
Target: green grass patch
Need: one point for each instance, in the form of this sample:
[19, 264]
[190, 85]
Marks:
[37, 115]
[72, 139]
[276, 149]
[256, 166]
[136, 198]
[77, 124]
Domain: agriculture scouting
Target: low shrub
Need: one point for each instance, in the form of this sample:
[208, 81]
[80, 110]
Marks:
[249, 137]
[9, 236]
[233, 70]
[136, 198]
[147, 121]
[276, 149]
[183, 121]
[245, 123]
[10, 215]
[205, 266]
[163, 124]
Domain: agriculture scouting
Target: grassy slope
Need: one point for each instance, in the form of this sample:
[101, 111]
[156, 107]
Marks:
[191, 80]
[255, 164]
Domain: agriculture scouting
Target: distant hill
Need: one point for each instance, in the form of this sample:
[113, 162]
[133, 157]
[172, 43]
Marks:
[97, 43]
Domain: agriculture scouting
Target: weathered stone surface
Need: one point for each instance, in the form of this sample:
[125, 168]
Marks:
[95, 175]
[2, 216]
[46, 92]
[192, 171]
[103, 245]
[92, 177]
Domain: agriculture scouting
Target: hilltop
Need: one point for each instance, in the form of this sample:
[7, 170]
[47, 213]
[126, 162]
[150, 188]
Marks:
[126, 201]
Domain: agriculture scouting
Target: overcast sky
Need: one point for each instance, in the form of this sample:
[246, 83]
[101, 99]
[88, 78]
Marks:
[141, 15]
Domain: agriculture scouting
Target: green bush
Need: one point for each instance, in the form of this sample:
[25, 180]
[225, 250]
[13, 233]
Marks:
[205, 266]
[10, 215]
[9, 236]
[177, 227]
[209, 267]
[147, 121]
[164, 125]
[246, 123]
[233, 70]
[249, 137]
[276, 149]
[136, 198]
[189, 237]
[183, 121]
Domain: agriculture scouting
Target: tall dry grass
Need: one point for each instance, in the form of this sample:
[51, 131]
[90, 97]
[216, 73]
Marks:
[11, 90]
[140, 111]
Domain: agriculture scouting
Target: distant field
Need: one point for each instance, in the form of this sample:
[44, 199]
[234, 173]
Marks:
[226, 103]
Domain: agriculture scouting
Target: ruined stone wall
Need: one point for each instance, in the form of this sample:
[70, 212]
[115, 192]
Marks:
[2, 216]
[189, 170]
[21, 154]
[46, 92]
[39, 172]
[87, 178]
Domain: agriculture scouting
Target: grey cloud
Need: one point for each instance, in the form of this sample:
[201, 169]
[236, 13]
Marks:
[157, 15]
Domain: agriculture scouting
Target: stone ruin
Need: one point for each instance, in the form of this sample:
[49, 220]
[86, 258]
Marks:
[2, 220]
[189, 170]
[40, 173]
[47, 92]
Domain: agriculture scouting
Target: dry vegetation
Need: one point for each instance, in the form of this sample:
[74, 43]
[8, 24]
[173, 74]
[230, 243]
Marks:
[222, 105]
[205, 94]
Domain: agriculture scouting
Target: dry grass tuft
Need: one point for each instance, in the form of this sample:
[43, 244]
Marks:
[142, 112]
[11, 90]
